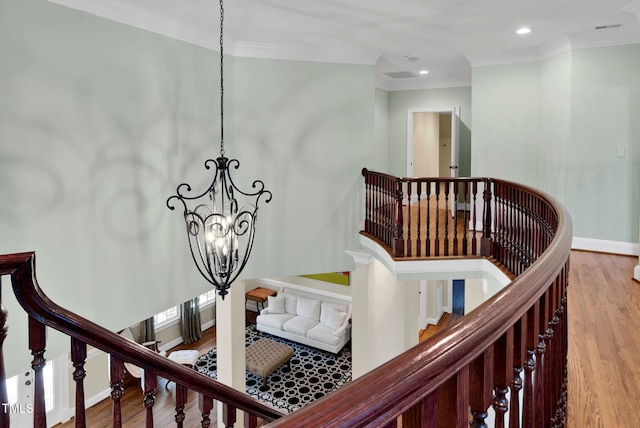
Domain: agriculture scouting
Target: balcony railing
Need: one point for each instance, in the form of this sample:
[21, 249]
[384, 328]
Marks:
[511, 349]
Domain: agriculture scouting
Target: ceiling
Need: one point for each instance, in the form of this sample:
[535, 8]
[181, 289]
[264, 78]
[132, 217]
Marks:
[445, 37]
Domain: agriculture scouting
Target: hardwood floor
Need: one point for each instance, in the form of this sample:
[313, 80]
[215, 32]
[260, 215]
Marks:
[604, 342]
[133, 411]
[603, 362]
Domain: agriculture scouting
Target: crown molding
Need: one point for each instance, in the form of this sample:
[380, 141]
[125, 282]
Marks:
[427, 82]
[533, 54]
[589, 39]
[270, 51]
[126, 13]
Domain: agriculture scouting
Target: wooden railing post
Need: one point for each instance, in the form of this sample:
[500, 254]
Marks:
[503, 372]
[78, 357]
[150, 385]
[368, 210]
[485, 246]
[228, 415]
[453, 400]
[37, 343]
[181, 402]
[397, 242]
[4, 413]
[481, 387]
[116, 380]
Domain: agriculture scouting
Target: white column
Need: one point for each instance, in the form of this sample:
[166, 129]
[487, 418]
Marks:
[360, 324]
[230, 341]
[384, 314]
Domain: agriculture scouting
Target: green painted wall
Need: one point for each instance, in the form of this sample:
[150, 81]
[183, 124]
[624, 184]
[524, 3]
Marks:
[603, 190]
[506, 109]
[99, 123]
[401, 101]
[307, 130]
[381, 161]
[556, 125]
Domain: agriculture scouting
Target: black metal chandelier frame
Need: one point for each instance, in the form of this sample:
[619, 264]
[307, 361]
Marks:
[220, 231]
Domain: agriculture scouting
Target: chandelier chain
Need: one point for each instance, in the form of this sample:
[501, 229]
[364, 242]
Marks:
[221, 80]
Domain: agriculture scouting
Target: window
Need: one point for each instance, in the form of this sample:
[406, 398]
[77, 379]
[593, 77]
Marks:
[207, 298]
[166, 317]
[172, 314]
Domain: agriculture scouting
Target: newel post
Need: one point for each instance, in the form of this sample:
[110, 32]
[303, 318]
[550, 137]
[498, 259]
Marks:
[485, 245]
[4, 414]
[397, 242]
[367, 200]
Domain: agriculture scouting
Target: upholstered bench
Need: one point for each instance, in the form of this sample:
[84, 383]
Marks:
[186, 357]
[264, 356]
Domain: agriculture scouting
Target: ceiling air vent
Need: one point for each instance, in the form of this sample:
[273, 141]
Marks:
[401, 74]
[605, 27]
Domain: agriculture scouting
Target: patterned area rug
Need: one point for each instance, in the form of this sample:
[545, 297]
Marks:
[313, 374]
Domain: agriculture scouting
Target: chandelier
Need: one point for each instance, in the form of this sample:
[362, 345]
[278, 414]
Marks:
[220, 231]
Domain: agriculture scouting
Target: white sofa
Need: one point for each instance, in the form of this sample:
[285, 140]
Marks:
[314, 320]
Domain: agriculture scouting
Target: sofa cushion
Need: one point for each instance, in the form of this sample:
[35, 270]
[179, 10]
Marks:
[326, 309]
[335, 319]
[308, 308]
[276, 304]
[323, 334]
[273, 320]
[299, 325]
[290, 304]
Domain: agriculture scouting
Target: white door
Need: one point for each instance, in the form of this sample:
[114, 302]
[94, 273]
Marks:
[422, 315]
[455, 155]
[454, 145]
[20, 394]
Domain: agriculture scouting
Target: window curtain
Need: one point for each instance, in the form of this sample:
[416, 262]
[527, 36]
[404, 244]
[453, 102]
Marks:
[190, 321]
[147, 330]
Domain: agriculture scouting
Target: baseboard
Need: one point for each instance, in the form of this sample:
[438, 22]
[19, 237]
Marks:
[208, 325]
[604, 246]
[69, 413]
[435, 321]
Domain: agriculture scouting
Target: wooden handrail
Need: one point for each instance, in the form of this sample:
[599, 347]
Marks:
[514, 343]
[43, 311]
[528, 313]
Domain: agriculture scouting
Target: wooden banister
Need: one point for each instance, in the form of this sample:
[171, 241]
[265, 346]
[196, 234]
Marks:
[509, 334]
[42, 311]
[511, 347]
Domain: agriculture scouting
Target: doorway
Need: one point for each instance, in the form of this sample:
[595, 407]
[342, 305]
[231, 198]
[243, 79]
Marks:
[433, 142]
[457, 303]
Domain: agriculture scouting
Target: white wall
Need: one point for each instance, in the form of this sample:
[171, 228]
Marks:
[385, 316]
[557, 124]
[100, 122]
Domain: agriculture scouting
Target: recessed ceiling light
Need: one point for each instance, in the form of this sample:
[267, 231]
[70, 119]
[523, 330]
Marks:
[523, 30]
[423, 72]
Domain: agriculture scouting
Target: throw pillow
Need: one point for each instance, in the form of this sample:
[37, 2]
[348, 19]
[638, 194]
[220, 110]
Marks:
[276, 304]
[335, 319]
[308, 308]
[290, 304]
[326, 307]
